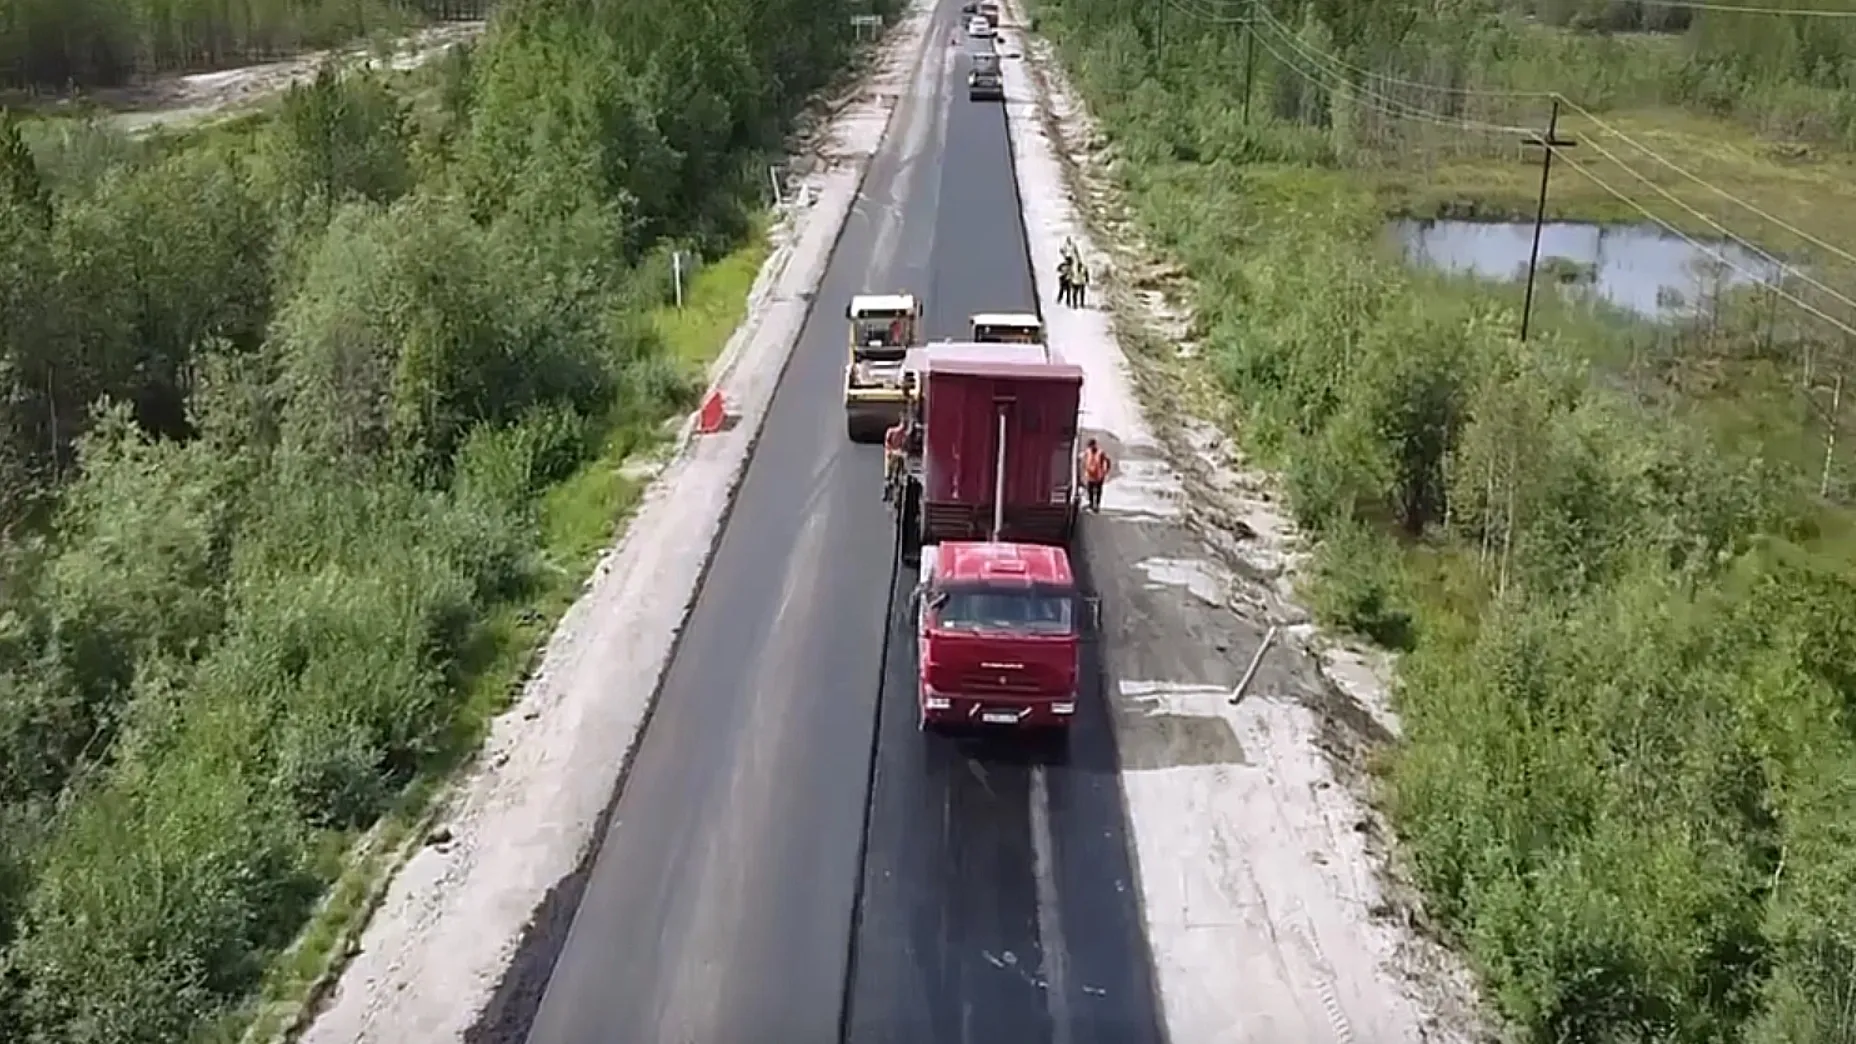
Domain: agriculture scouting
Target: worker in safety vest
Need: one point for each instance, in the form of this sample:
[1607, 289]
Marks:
[895, 442]
[1095, 467]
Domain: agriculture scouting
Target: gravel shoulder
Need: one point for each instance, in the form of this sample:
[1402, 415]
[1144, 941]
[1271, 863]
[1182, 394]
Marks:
[1272, 904]
[529, 811]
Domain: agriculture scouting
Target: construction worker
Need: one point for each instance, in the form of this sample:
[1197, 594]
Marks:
[895, 442]
[1095, 467]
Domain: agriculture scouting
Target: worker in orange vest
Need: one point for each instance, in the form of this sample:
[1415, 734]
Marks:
[895, 441]
[1096, 467]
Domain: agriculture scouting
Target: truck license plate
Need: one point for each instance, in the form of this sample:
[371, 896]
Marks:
[999, 718]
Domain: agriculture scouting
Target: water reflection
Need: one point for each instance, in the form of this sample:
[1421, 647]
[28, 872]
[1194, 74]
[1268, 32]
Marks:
[1642, 268]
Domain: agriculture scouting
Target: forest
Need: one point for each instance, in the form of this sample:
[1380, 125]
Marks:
[283, 403]
[1619, 584]
[60, 44]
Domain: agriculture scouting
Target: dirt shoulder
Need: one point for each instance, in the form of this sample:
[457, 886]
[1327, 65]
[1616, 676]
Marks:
[1273, 905]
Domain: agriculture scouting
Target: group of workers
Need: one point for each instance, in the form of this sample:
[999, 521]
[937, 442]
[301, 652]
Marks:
[1072, 277]
[904, 437]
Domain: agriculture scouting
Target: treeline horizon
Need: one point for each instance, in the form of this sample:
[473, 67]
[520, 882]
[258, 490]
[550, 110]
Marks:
[58, 44]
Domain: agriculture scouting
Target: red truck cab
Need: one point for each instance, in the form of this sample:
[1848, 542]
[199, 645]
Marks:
[998, 632]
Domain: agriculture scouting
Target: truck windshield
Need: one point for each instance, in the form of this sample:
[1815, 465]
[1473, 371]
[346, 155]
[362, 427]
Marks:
[1005, 334]
[1018, 609]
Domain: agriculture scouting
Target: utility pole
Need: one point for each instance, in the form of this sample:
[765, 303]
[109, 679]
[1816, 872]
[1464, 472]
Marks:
[1250, 55]
[1550, 141]
[1159, 39]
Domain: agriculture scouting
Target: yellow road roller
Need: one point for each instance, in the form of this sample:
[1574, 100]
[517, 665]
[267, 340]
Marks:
[883, 329]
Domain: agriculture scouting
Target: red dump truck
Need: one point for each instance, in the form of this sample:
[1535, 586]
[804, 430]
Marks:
[986, 505]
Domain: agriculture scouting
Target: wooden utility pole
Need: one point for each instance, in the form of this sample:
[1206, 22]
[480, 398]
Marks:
[1550, 141]
[1250, 55]
[1830, 437]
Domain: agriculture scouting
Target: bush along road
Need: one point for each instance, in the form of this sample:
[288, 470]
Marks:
[311, 426]
[1613, 557]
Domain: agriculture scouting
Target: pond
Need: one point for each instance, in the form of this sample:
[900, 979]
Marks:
[1640, 268]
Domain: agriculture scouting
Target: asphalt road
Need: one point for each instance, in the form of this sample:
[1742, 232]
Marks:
[734, 899]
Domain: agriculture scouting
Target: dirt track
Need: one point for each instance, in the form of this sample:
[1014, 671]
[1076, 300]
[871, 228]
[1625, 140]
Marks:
[197, 97]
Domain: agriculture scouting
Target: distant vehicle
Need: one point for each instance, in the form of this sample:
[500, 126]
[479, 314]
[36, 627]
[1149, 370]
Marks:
[979, 28]
[1005, 328]
[883, 329]
[984, 81]
[989, 10]
[970, 7]
[986, 508]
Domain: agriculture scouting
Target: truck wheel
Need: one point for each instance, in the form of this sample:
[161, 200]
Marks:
[908, 525]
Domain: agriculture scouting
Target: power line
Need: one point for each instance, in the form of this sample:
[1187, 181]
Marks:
[1704, 6]
[1723, 193]
[1317, 57]
[1696, 244]
[1392, 108]
[1795, 12]
[1738, 240]
[1373, 101]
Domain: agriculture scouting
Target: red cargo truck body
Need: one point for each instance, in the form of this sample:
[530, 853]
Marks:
[977, 401]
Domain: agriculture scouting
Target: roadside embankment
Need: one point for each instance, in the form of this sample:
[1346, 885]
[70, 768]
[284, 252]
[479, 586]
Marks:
[1257, 861]
[1612, 560]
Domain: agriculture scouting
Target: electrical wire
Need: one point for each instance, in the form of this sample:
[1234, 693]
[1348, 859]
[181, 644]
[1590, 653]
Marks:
[1705, 6]
[1622, 197]
[1717, 190]
[1375, 102]
[1370, 99]
[1318, 58]
[1729, 234]
[1699, 5]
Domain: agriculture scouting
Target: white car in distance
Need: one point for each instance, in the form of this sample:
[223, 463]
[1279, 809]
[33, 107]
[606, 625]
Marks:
[979, 28]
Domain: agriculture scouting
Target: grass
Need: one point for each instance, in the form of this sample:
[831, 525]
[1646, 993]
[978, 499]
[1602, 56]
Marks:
[578, 518]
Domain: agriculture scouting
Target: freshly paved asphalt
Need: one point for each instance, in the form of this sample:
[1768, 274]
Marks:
[734, 899]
